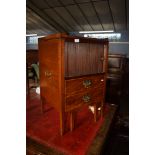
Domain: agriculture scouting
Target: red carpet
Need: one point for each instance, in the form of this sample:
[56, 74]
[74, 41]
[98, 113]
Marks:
[44, 128]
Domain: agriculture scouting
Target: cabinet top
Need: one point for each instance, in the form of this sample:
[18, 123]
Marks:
[67, 37]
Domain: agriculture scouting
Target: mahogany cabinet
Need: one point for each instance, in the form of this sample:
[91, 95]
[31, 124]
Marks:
[73, 73]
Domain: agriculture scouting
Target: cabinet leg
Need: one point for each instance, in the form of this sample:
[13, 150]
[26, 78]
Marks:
[42, 104]
[42, 111]
[95, 112]
[102, 109]
[62, 127]
[72, 120]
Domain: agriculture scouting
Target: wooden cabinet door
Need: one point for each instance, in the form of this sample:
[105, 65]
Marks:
[83, 58]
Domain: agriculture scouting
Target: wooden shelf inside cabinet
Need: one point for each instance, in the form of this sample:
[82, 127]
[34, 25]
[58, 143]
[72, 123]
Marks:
[73, 72]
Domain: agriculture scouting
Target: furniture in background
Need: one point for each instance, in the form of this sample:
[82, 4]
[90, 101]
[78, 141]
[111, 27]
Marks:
[116, 70]
[31, 73]
[31, 58]
[126, 77]
[73, 73]
[36, 70]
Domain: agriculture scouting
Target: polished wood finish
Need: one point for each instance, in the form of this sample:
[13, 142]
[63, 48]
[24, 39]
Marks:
[75, 85]
[72, 74]
[84, 98]
[83, 58]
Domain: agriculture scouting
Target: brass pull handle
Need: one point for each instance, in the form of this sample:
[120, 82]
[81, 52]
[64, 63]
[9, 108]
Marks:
[86, 98]
[48, 74]
[87, 83]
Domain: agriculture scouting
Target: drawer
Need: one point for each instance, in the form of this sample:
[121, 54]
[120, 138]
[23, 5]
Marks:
[84, 98]
[86, 83]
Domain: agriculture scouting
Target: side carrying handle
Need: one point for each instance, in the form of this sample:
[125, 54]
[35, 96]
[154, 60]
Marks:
[48, 74]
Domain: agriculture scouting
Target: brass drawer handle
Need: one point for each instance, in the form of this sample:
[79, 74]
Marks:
[48, 74]
[87, 83]
[86, 98]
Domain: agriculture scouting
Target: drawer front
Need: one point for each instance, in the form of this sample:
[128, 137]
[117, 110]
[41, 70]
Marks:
[84, 98]
[83, 84]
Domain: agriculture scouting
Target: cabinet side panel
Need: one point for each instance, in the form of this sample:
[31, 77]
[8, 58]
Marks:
[50, 71]
[66, 59]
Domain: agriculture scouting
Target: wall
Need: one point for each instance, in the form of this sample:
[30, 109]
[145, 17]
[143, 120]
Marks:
[121, 47]
[31, 46]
